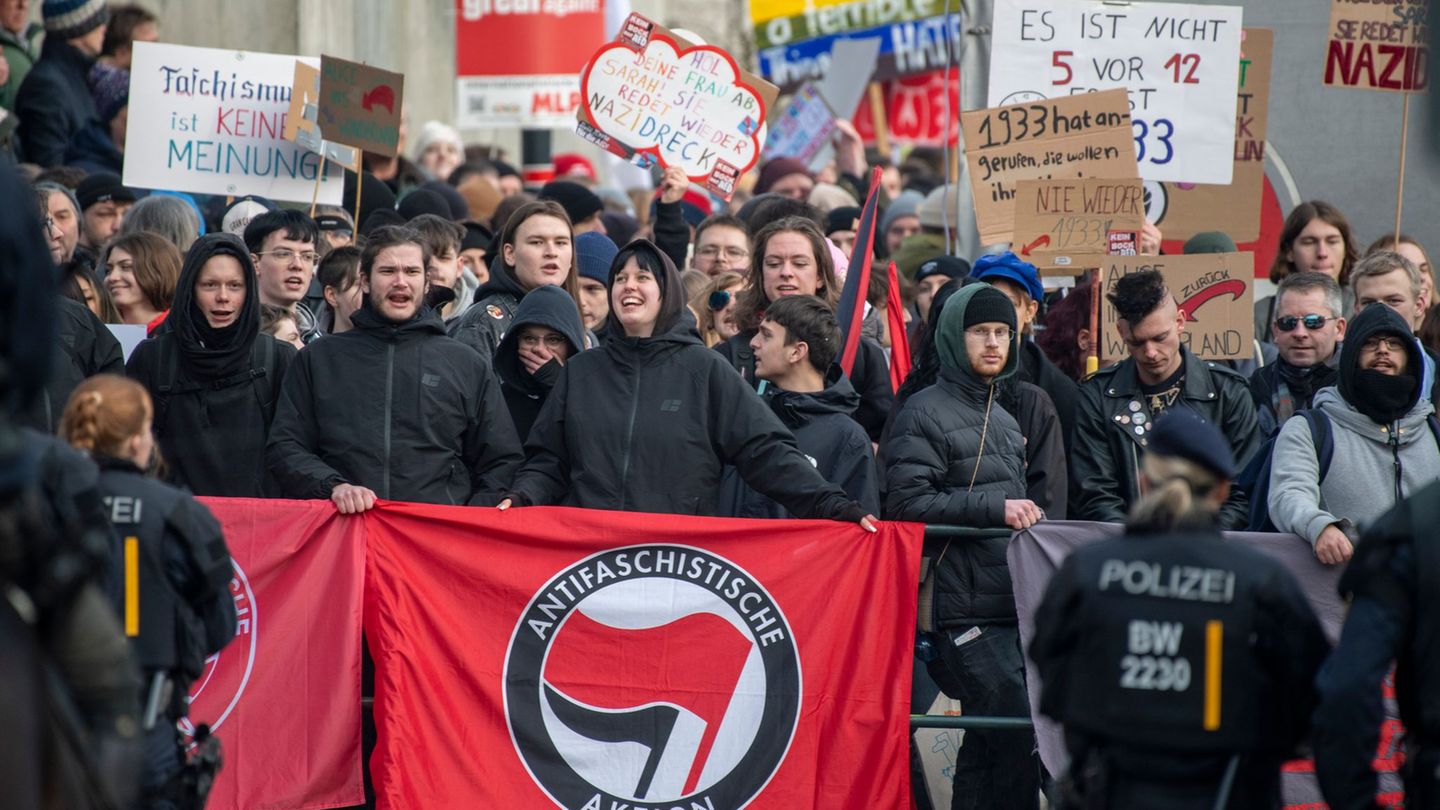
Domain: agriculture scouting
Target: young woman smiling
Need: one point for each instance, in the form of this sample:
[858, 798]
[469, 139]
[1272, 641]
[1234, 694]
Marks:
[140, 273]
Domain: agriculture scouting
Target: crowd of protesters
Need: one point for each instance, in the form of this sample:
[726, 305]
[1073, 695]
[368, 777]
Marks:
[467, 340]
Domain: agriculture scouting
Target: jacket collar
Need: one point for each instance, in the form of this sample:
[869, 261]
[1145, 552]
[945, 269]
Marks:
[1198, 385]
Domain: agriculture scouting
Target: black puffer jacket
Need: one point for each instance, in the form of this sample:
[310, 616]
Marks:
[398, 408]
[524, 392]
[484, 324]
[214, 390]
[826, 433]
[938, 471]
[86, 348]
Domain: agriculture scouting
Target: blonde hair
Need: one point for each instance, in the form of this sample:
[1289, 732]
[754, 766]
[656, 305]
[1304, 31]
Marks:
[1178, 496]
[700, 305]
[103, 413]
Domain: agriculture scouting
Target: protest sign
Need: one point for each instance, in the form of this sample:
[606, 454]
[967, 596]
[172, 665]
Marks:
[906, 48]
[652, 97]
[1214, 290]
[360, 105]
[1068, 225]
[1381, 46]
[803, 129]
[1182, 210]
[533, 83]
[1074, 136]
[1179, 62]
[916, 110]
[212, 121]
[301, 121]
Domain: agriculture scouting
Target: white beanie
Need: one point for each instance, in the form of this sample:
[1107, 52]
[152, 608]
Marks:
[437, 131]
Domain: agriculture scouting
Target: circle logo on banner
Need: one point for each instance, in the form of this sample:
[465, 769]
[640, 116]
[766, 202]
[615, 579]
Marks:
[649, 675]
[1157, 201]
[217, 691]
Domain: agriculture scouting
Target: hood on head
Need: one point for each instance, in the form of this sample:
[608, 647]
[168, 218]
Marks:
[950, 332]
[1377, 319]
[550, 307]
[187, 321]
[672, 290]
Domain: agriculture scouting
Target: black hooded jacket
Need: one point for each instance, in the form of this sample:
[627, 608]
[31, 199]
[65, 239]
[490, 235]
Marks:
[524, 392]
[647, 424]
[214, 390]
[826, 433]
[86, 348]
[399, 408]
[482, 326]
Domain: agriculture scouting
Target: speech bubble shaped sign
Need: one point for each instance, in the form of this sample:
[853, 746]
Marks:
[686, 107]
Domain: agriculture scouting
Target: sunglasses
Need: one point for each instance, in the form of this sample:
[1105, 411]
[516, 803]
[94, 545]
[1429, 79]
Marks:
[719, 300]
[1312, 322]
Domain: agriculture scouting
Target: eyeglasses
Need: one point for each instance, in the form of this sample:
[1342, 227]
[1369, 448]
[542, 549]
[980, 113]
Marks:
[712, 251]
[50, 225]
[551, 341]
[980, 333]
[286, 254]
[1391, 344]
[719, 300]
[1312, 322]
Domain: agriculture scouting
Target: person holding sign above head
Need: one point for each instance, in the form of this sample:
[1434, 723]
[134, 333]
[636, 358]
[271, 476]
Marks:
[537, 247]
[1181, 665]
[1119, 404]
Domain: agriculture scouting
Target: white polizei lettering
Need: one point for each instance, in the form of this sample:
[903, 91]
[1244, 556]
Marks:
[1185, 582]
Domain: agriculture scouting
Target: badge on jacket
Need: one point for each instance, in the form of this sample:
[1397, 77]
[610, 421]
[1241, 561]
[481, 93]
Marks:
[495, 312]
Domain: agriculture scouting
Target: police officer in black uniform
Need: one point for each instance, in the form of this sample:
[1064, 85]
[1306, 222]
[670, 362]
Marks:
[1181, 664]
[174, 575]
[1393, 582]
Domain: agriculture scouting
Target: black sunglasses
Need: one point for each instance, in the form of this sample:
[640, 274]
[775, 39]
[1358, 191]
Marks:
[1312, 322]
[719, 300]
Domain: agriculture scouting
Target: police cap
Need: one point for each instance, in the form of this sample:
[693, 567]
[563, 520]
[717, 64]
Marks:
[1183, 433]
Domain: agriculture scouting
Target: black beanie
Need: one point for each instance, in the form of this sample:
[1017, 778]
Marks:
[989, 306]
[579, 202]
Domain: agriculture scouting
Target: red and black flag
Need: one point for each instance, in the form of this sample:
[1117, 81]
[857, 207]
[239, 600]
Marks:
[857, 282]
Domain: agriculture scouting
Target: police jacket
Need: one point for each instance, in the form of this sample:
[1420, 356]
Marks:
[485, 322]
[647, 424]
[938, 471]
[86, 348]
[1107, 445]
[1393, 582]
[1171, 652]
[398, 408]
[185, 611]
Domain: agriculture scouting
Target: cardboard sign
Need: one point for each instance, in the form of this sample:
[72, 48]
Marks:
[803, 129]
[1179, 62]
[1383, 46]
[654, 98]
[211, 121]
[1075, 136]
[1182, 210]
[360, 105]
[1215, 292]
[1070, 225]
[301, 121]
[537, 85]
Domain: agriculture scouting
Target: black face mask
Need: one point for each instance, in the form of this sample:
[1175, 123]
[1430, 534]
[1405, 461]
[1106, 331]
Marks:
[1386, 397]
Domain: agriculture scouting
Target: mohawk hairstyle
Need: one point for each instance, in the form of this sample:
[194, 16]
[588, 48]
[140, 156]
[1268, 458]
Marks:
[1138, 294]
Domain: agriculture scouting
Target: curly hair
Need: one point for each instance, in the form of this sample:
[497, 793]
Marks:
[1136, 295]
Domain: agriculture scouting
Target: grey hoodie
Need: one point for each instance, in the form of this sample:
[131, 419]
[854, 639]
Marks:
[1360, 484]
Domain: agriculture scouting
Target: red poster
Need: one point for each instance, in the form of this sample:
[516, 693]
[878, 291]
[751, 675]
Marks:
[284, 696]
[551, 657]
[915, 111]
[526, 37]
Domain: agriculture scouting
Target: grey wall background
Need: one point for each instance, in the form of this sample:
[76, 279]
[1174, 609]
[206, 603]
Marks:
[1340, 145]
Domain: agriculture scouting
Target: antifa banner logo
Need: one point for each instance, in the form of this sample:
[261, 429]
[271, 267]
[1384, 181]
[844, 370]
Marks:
[216, 693]
[652, 674]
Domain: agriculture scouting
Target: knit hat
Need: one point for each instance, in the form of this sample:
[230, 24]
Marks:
[933, 211]
[1182, 433]
[971, 305]
[434, 131]
[1011, 268]
[423, 201]
[72, 19]
[374, 196]
[989, 305]
[828, 196]
[110, 87]
[580, 203]
[573, 165]
[1209, 242]
[621, 228]
[459, 209]
[240, 212]
[102, 187]
[337, 221]
[772, 172]
[845, 218]
[481, 197]
[948, 266]
[593, 254]
[906, 204]
[379, 218]
[476, 236]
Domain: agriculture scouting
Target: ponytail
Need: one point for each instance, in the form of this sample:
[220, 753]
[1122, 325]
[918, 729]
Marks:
[1178, 496]
[103, 413]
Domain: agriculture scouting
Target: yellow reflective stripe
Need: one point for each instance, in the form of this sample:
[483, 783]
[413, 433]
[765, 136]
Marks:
[132, 586]
[1214, 639]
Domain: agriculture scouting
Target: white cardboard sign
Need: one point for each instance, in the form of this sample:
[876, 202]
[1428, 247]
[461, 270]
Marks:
[211, 121]
[1180, 63]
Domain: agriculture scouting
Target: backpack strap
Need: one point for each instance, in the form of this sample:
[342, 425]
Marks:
[262, 372]
[1322, 435]
[1434, 422]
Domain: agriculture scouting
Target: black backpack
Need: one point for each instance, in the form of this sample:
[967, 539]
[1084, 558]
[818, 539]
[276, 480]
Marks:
[1254, 480]
[259, 375]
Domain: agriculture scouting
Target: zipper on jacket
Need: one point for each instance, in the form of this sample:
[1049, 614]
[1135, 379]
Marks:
[629, 437]
[389, 396]
[1395, 451]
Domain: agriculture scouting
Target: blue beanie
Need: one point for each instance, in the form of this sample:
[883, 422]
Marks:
[1012, 268]
[594, 253]
[72, 19]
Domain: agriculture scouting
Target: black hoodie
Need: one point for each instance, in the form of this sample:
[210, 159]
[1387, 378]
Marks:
[1383, 398]
[214, 389]
[828, 435]
[482, 326]
[525, 393]
[647, 424]
[399, 408]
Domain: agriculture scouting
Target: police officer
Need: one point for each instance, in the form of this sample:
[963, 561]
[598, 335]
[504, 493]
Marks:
[1393, 582]
[176, 606]
[1180, 664]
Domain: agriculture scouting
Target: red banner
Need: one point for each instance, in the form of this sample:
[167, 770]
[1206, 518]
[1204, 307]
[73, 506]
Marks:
[915, 111]
[557, 37]
[284, 696]
[583, 659]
